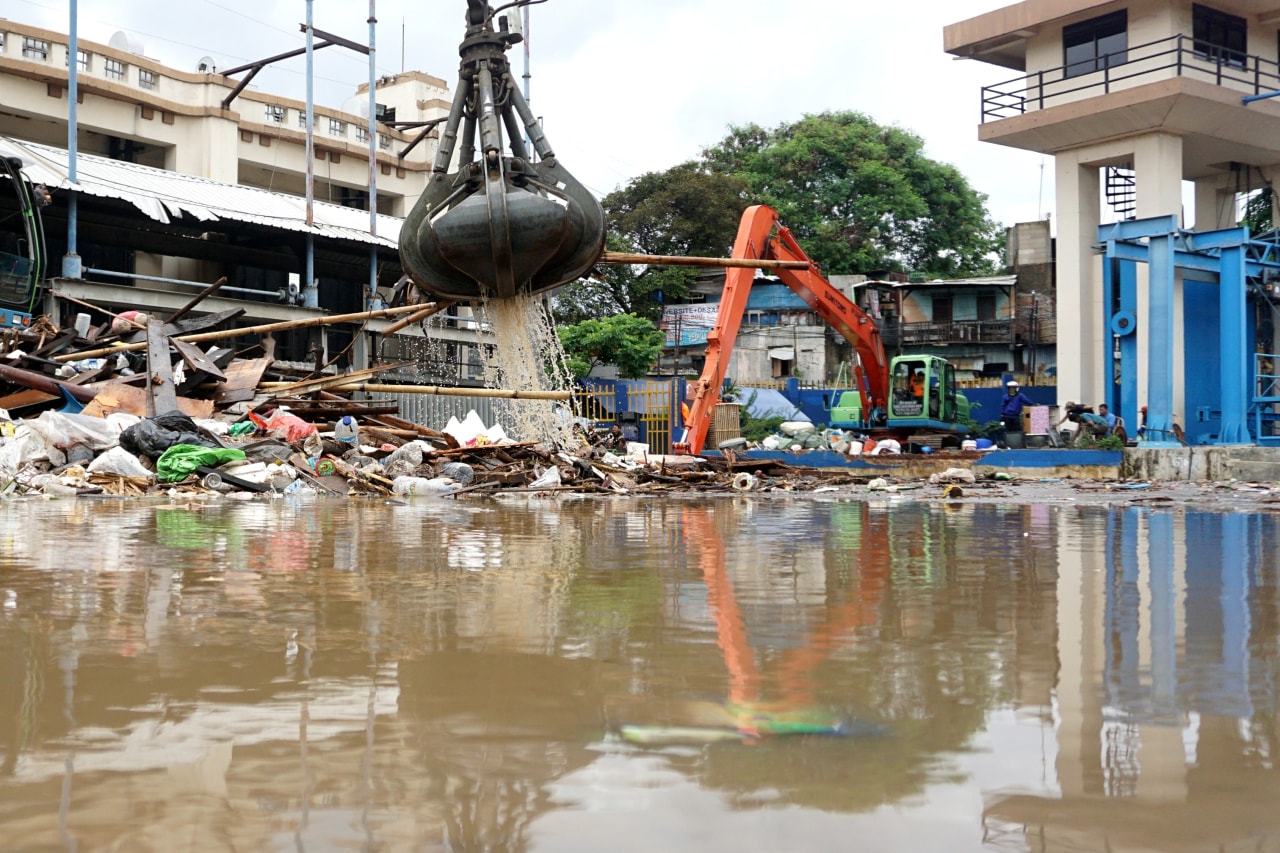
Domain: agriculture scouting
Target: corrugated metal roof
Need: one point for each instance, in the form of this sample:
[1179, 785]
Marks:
[985, 281]
[163, 195]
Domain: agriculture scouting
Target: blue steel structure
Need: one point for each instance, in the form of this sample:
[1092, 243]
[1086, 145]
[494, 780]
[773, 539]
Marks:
[1217, 269]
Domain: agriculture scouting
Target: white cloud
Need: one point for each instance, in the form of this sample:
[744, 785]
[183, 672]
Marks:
[630, 87]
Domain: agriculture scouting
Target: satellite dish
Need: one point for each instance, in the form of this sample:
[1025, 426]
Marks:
[125, 42]
[207, 65]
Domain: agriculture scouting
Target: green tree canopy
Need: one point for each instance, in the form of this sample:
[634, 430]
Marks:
[861, 197]
[630, 343]
[686, 210]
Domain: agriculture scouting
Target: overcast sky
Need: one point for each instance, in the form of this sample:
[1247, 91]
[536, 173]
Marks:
[626, 88]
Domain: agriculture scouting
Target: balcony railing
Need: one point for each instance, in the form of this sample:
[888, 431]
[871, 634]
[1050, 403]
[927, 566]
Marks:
[1176, 56]
[955, 332]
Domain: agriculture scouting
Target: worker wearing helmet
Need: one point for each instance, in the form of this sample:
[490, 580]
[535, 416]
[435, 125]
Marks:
[1011, 406]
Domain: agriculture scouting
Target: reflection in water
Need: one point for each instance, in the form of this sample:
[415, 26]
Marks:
[352, 675]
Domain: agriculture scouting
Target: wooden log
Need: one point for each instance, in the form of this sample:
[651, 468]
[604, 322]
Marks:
[505, 393]
[47, 384]
[309, 322]
[682, 261]
[197, 299]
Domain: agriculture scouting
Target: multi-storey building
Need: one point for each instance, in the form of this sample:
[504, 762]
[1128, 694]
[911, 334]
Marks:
[1139, 102]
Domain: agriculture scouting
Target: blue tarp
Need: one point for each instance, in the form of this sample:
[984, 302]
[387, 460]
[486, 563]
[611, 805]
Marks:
[765, 403]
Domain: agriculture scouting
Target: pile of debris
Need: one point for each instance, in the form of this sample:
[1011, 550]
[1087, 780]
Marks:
[135, 407]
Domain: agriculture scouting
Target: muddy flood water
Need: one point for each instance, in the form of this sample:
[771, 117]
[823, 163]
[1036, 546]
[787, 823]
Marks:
[734, 674]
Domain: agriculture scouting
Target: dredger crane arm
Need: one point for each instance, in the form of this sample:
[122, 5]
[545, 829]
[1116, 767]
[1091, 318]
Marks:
[760, 236]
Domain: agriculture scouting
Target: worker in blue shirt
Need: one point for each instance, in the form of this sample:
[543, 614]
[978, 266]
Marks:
[1011, 407]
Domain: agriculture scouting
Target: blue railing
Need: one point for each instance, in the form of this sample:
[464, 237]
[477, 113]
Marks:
[1176, 56]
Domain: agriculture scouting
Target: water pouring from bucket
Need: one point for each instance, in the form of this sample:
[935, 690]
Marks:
[501, 224]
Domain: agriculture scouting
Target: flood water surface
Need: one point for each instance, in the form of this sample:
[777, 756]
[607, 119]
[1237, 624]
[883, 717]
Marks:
[636, 675]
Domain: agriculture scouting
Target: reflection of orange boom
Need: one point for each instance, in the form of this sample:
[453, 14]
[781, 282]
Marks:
[795, 673]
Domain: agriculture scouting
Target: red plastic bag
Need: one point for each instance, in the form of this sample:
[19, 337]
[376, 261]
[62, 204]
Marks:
[284, 425]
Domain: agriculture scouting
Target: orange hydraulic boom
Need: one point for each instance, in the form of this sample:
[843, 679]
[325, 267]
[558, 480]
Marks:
[760, 236]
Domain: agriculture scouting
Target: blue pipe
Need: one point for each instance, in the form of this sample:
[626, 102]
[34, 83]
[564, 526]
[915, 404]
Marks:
[1232, 345]
[373, 152]
[310, 292]
[72, 266]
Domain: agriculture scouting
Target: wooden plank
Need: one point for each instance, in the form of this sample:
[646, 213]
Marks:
[24, 399]
[243, 376]
[197, 360]
[119, 397]
[161, 395]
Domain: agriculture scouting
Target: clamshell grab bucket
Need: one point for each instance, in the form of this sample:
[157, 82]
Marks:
[501, 224]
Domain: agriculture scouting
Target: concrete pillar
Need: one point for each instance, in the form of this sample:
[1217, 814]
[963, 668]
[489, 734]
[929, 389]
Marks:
[1157, 167]
[1081, 333]
[1215, 204]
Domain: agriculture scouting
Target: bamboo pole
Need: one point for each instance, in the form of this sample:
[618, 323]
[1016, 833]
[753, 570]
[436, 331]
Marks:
[443, 391]
[113, 315]
[682, 261]
[309, 322]
[418, 317]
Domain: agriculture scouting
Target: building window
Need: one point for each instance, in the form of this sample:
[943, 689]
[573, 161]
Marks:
[273, 114]
[362, 134]
[35, 49]
[384, 141]
[82, 60]
[1219, 36]
[113, 69]
[337, 128]
[942, 309]
[1095, 44]
[302, 119]
[146, 79]
[1, 42]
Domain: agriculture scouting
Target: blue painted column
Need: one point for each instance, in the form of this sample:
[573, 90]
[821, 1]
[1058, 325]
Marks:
[1233, 355]
[1160, 338]
[1129, 350]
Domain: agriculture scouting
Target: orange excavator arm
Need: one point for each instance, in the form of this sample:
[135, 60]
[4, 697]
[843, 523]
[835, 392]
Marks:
[761, 237]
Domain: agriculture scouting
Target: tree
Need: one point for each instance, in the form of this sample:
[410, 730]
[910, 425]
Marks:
[685, 210]
[630, 343]
[863, 197]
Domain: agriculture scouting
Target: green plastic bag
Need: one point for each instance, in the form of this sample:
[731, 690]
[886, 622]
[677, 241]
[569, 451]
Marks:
[181, 460]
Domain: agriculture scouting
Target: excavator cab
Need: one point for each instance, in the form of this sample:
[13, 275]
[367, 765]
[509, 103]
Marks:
[503, 222]
[925, 393]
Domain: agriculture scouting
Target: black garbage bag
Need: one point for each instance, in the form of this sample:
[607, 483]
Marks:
[153, 436]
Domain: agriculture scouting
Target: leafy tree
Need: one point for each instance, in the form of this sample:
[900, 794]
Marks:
[630, 343]
[685, 210]
[860, 196]
[1257, 212]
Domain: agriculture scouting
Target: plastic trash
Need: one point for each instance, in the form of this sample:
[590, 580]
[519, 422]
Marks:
[887, 445]
[953, 475]
[285, 425]
[65, 431]
[410, 487]
[181, 460]
[548, 480]
[459, 471]
[410, 453]
[743, 482]
[1004, 475]
[347, 430]
[968, 444]
[117, 460]
[153, 436]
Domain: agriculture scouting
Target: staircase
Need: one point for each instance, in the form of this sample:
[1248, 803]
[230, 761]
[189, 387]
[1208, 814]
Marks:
[1122, 191]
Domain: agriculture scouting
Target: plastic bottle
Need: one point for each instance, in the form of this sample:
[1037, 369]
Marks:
[347, 430]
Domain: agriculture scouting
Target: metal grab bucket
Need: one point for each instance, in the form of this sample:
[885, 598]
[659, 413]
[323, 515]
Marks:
[501, 224]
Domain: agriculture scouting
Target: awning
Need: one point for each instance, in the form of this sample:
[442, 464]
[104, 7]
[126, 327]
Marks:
[783, 353]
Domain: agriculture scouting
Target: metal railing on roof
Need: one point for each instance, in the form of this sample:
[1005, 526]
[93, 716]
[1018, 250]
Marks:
[1176, 56]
